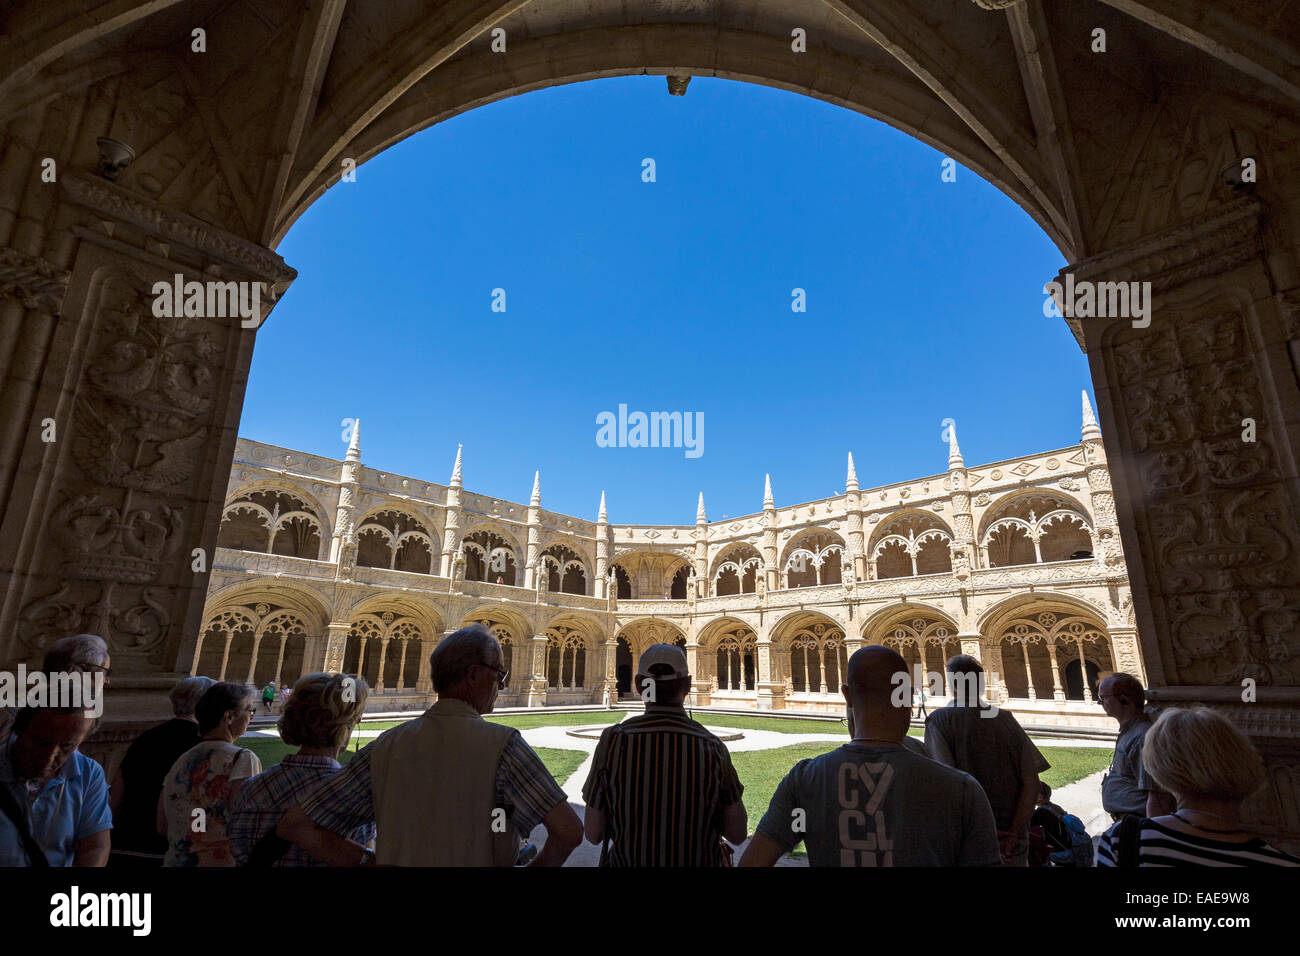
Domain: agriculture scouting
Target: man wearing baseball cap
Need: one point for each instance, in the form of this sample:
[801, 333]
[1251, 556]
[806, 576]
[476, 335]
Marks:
[662, 790]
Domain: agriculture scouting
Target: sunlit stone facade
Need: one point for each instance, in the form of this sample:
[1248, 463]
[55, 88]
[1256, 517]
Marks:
[334, 565]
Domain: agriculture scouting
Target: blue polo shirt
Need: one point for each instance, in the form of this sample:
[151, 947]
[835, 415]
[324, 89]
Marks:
[70, 807]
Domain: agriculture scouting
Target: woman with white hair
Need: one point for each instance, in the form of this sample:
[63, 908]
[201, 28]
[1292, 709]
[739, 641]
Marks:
[206, 778]
[318, 717]
[1210, 767]
[134, 794]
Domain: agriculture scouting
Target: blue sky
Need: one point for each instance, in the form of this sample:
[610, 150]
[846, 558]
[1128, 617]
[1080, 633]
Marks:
[924, 301]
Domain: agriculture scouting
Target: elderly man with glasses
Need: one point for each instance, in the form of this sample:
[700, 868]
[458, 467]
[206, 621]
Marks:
[445, 789]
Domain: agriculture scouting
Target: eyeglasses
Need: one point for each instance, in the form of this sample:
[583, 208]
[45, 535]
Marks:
[501, 681]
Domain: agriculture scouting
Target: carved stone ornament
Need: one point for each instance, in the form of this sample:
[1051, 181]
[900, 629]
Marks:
[34, 282]
[118, 203]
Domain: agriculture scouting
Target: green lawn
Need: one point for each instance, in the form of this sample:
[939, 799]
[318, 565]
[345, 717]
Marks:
[561, 763]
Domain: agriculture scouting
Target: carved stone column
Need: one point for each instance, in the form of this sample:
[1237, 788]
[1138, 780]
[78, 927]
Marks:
[383, 659]
[336, 645]
[537, 683]
[1208, 505]
[1124, 652]
[423, 682]
[1058, 693]
[98, 528]
[771, 692]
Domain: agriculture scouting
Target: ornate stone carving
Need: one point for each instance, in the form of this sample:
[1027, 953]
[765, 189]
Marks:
[119, 203]
[33, 281]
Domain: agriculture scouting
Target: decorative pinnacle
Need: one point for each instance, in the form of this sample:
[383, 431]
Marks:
[354, 443]
[699, 511]
[1090, 428]
[455, 469]
[954, 453]
[767, 492]
[851, 482]
[601, 517]
[536, 499]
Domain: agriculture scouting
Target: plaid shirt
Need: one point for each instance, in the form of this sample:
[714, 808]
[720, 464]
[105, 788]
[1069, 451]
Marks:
[264, 799]
[525, 789]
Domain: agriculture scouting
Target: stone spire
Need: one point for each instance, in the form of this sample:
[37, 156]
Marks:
[533, 556]
[700, 517]
[768, 548]
[602, 550]
[455, 469]
[954, 453]
[451, 531]
[853, 512]
[1090, 429]
[354, 444]
[343, 543]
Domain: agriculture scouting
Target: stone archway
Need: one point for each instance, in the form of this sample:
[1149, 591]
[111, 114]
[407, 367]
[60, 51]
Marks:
[1129, 169]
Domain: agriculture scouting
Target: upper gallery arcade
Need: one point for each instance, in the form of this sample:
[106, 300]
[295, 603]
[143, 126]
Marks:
[328, 564]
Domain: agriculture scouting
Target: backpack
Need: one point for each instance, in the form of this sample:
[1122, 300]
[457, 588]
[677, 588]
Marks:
[1080, 852]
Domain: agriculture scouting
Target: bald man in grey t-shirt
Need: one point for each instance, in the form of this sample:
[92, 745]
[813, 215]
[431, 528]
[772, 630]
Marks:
[874, 802]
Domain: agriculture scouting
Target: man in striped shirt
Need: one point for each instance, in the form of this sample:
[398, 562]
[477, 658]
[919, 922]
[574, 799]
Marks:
[662, 789]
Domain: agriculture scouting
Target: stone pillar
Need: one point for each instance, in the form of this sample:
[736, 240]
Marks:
[401, 667]
[279, 660]
[198, 649]
[994, 676]
[701, 687]
[383, 659]
[423, 682]
[336, 645]
[1058, 693]
[361, 657]
[771, 692]
[1124, 652]
[144, 410]
[225, 656]
[1208, 515]
[1029, 672]
[252, 660]
[1083, 672]
[537, 682]
[609, 686]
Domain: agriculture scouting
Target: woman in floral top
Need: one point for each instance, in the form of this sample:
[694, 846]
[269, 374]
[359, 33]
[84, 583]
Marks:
[207, 777]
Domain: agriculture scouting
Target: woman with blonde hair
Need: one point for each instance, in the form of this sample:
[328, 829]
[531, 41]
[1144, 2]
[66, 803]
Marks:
[318, 717]
[1210, 767]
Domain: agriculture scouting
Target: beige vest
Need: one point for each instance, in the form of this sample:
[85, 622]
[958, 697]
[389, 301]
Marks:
[434, 786]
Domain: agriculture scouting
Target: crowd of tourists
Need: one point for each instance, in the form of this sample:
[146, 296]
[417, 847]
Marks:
[451, 789]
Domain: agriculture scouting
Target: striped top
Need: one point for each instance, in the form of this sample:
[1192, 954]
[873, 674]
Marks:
[669, 782]
[1161, 846]
[264, 799]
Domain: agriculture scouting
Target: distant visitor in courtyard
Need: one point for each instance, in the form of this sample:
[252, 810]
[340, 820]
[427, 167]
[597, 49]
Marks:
[662, 790]
[991, 746]
[873, 802]
[139, 780]
[318, 720]
[446, 789]
[1209, 767]
[201, 785]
